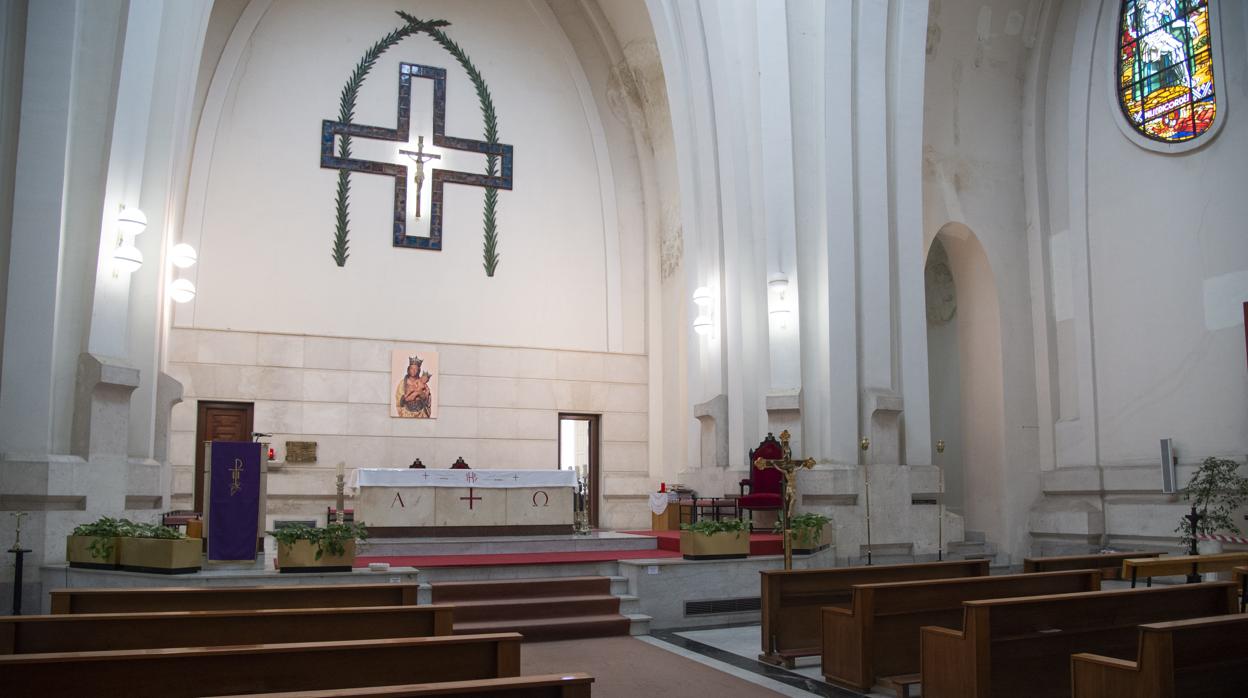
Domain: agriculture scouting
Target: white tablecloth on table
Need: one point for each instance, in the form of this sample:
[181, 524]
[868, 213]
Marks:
[427, 477]
[658, 503]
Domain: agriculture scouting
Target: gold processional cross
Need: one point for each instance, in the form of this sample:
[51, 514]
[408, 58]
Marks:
[789, 467]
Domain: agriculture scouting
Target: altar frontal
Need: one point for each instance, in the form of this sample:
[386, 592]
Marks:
[397, 502]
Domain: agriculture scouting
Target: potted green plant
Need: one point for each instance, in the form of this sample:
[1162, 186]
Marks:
[810, 532]
[1216, 490]
[146, 547]
[709, 539]
[94, 545]
[303, 548]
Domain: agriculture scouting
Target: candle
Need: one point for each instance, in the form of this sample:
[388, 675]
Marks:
[340, 467]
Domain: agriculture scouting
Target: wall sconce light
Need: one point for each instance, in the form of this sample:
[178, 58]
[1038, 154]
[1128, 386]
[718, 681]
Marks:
[703, 324]
[126, 257]
[183, 256]
[131, 222]
[182, 291]
[778, 282]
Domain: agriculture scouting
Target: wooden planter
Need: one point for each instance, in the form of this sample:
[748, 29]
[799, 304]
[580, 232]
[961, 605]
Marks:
[717, 546]
[160, 555]
[300, 556]
[810, 545]
[78, 553]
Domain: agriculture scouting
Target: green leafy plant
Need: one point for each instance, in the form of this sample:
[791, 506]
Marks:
[150, 530]
[807, 529]
[1217, 490]
[102, 531]
[332, 539]
[709, 527]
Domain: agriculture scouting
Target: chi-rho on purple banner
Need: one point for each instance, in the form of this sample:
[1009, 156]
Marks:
[234, 503]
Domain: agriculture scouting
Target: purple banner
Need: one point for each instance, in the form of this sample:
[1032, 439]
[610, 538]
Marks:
[234, 503]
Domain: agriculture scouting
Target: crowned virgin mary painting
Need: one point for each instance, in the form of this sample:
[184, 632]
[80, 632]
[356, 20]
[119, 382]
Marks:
[415, 384]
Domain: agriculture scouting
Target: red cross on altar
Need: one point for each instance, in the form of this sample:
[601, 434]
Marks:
[470, 498]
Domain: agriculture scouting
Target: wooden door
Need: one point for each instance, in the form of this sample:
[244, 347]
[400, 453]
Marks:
[218, 421]
[594, 495]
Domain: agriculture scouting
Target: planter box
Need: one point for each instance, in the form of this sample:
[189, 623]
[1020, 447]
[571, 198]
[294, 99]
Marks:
[810, 545]
[78, 553]
[300, 556]
[717, 546]
[160, 555]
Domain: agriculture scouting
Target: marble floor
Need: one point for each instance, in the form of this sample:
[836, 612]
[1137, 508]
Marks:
[735, 649]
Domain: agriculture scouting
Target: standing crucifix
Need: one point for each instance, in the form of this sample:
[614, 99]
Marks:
[421, 157]
[789, 467]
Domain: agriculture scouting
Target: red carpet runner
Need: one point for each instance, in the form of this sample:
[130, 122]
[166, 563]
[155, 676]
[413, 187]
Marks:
[562, 608]
[513, 558]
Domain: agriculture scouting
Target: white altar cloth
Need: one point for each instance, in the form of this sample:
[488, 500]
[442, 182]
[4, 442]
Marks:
[425, 477]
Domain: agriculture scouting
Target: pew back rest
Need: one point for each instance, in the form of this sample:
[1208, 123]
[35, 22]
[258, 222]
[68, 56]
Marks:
[791, 599]
[1015, 618]
[1202, 647]
[904, 598]
[86, 632]
[574, 685]
[1108, 563]
[196, 671]
[230, 598]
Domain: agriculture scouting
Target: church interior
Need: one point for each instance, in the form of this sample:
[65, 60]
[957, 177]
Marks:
[719, 348]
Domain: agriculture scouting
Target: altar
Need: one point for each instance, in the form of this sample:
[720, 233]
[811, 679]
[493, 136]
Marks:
[406, 501]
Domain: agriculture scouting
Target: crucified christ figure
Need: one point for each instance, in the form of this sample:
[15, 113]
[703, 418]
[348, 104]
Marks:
[420, 156]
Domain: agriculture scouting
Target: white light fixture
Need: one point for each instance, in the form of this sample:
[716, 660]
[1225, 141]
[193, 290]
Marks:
[183, 256]
[702, 325]
[131, 222]
[778, 282]
[781, 314]
[127, 258]
[182, 291]
[702, 296]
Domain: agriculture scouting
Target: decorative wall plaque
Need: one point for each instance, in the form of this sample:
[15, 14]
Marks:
[300, 451]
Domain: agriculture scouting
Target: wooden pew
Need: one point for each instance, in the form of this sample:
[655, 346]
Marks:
[791, 600]
[1022, 646]
[1108, 563]
[1170, 565]
[142, 600]
[88, 632]
[1197, 657]
[196, 671]
[878, 635]
[542, 686]
[1241, 577]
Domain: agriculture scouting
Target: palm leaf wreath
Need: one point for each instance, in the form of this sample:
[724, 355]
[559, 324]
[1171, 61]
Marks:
[346, 112]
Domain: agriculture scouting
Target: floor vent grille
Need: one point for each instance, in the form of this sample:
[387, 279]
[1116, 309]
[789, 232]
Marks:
[713, 606]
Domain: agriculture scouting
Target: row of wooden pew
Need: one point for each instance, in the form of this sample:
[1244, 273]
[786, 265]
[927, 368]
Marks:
[302, 640]
[964, 634]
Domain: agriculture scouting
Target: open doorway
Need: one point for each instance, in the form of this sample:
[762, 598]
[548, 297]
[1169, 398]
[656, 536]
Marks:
[578, 450]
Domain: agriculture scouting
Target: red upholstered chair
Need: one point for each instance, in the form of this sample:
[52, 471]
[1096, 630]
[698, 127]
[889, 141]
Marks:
[764, 485]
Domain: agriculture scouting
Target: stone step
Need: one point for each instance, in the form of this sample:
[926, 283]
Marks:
[604, 568]
[565, 628]
[544, 607]
[638, 623]
[493, 591]
[629, 604]
[607, 540]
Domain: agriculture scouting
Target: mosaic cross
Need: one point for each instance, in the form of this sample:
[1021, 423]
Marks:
[331, 130]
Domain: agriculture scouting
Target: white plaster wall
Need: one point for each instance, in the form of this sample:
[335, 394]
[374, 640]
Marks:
[265, 225]
[498, 408]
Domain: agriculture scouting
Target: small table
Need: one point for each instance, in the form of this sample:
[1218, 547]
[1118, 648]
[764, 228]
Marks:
[1168, 565]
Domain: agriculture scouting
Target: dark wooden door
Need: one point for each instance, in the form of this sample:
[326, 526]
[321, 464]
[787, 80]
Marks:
[218, 421]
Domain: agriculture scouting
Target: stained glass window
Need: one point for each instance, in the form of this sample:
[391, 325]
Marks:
[1165, 68]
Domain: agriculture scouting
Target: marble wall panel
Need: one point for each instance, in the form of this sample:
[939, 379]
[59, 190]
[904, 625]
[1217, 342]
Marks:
[184, 415]
[182, 447]
[625, 426]
[621, 368]
[325, 418]
[626, 398]
[578, 366]
[369, 387]
[404, 450]
[518, 454]
[537, 424]
[326, 386]
[457, 422]
[214, 347]
[396, 506]
[537, 363]
[536, 394]
[182, 477]
[624, 456]
[572, 396]
[458, 391]
[533, 507]
[273, 417]
[183, 345]
[330, 449]
[497, 423]
[498, 361]
[445, 451]
[279, 384]
[327, 352]
[279, 350]
[416, 427]
[497, 392]
[451, 506]
[370, 452]
[368, 420]
[369, 355]
[459, 360]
